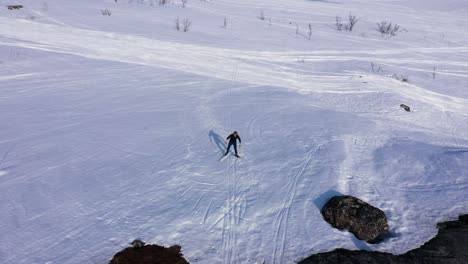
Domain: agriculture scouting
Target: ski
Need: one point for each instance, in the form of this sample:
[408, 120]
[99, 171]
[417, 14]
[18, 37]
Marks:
[223, 158]
[230, 154]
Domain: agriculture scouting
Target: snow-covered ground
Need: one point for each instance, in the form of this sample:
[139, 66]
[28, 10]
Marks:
[112, 126]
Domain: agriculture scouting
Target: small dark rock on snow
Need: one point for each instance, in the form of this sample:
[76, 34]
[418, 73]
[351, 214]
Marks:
[407, 108]
[366, 222]
[13, 7]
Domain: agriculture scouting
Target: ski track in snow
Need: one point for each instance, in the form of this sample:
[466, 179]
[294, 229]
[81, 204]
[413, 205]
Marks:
[117, 135]
[281, 221]
[209, 61]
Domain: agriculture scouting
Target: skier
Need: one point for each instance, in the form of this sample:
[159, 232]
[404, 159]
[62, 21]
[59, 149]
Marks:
[233, 142]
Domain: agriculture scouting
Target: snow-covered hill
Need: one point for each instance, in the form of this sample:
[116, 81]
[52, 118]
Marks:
[112, 126]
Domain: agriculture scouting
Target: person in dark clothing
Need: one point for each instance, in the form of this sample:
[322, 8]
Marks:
[233, 142]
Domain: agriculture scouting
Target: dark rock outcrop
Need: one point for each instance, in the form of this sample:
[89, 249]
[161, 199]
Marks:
[450, 246]
[366, 222]
[13, 7]
[149, 254]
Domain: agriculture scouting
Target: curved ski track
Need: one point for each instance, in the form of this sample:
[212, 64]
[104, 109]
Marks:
[251, 67]
[281, 221]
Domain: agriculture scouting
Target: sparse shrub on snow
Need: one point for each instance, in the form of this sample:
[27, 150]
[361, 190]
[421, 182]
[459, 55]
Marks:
[338, 23]
[141, 2]
[156, 2]
[401, 78]
[352, 20]
[262, 15]
[306, 34]
[106, 12]
[387, 28]
[177, 23]
[184, 3]
[225, 22]
[349, 26]
[163, 2]
[376, 68]
[186, 25]
[379, 70]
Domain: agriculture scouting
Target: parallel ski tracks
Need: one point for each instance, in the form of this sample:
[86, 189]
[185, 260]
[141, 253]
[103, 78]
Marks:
[282, 218]
[236, 206]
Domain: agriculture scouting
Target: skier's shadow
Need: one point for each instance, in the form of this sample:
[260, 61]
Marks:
[218, 140]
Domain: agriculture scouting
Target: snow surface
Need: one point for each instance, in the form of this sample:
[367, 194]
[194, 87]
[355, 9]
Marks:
[112, 126]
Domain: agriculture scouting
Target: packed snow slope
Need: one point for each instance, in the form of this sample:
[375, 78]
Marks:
[112, 127]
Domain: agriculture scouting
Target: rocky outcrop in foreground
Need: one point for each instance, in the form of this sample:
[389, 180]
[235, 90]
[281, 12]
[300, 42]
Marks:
[365, 221]
[149, 254]
[450, 246]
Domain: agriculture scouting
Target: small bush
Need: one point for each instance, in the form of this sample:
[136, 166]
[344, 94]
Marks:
[106, 12]
[338, 23]
[352, 20]
[184, 3]
[187, 24]
[387, 28]
[177, 24]
[401, 78]
[163, 2]
[376, 68]
[349, 26]
[262, 16]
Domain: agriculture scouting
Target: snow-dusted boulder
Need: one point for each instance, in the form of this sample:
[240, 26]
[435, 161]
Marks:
[366, 222]
[144, 254]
